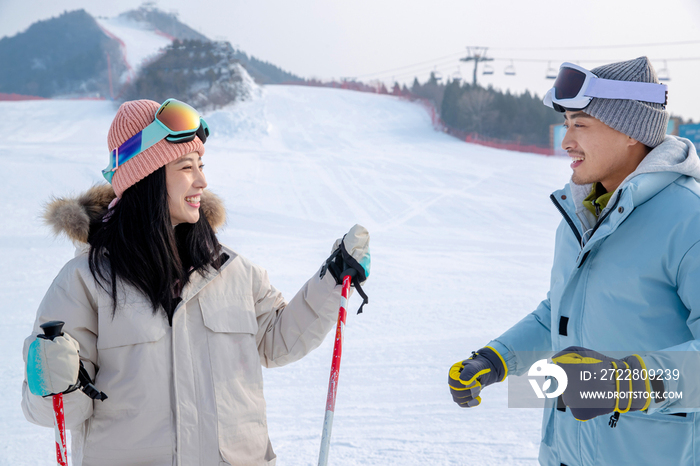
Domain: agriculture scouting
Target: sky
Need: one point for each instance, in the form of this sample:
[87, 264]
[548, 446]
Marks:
[397, 41]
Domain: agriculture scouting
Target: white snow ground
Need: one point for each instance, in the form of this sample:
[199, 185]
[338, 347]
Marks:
[462, 242]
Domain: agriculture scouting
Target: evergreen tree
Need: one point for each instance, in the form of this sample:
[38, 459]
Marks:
[495, 114]
[415, 87]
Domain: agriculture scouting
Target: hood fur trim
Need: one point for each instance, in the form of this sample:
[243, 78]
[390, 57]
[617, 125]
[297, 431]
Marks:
[72, 216]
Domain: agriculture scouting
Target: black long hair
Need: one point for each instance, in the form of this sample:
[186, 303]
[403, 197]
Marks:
[138, 245]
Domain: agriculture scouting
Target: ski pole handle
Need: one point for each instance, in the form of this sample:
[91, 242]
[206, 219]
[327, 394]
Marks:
[335, 371]
[52, 330]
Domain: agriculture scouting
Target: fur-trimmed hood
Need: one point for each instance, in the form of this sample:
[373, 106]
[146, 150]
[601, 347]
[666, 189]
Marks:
[72, 216]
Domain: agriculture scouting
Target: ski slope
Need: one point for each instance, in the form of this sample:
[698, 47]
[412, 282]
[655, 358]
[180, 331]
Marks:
[139, 41]
[461, 235]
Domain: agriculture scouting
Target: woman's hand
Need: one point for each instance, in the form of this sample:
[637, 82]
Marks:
[350, 256]
[350, 252]
[53, 365]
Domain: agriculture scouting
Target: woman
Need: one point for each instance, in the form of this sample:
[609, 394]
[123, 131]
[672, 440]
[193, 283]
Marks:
[171, 325]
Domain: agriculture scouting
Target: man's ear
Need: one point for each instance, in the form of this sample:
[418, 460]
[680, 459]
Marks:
[631, 141]
[635, 145]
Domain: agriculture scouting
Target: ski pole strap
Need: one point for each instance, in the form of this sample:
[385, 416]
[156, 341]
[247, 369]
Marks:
[86, 385]
[361, 292]
[341, 263]
[352, 273]
[358, 276]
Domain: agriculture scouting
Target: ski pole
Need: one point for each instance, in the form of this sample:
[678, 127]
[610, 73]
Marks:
[52, 330]
[335, 370]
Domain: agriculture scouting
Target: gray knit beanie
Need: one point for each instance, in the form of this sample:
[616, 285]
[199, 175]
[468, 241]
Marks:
[644, 121]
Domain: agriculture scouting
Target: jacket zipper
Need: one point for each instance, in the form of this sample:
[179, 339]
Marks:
[571, 223]
[615, 416]
[567, 218]
[600, 220]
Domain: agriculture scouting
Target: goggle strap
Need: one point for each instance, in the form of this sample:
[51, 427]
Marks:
[627, 90]
[136, 144]
[153, 134]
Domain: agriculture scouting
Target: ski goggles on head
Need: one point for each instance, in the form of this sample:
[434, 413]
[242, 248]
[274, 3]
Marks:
[175, 121]
[576, 86]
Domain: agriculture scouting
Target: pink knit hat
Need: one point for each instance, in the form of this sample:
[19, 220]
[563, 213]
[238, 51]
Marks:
[131, 118]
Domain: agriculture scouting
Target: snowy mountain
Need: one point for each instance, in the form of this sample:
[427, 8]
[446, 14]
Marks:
[462, 242]
[166, 24]
[64, 56]
[204, 74]
[139, 43]
[76, 55]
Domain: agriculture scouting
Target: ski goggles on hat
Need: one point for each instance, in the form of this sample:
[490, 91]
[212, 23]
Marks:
[175, 121]
[576, 86]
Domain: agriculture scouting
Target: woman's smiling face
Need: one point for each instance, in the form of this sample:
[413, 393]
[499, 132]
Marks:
[185, 182]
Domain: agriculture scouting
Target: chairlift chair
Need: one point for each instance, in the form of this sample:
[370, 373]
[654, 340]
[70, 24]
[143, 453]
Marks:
[510, 69]
[662, 74]
[488, 69]
[551, 72]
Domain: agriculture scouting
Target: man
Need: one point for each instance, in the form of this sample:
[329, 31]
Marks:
[625, 282]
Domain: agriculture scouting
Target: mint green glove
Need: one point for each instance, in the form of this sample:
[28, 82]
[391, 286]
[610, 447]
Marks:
[53, 365]
[351, 255]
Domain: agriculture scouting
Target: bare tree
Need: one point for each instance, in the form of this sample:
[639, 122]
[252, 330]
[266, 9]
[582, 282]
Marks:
[476, 110]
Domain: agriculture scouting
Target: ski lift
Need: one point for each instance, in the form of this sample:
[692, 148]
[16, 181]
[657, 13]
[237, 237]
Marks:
[510, 69]
[662, 74]
[438, 75]
[457, 75]
[551, 72]
[488, 69]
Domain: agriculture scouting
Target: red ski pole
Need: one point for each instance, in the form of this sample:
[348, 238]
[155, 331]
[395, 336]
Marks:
[52, 330]
[335, 372]
[60, 430]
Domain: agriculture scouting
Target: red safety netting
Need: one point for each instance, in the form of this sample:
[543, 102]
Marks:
[18, 97]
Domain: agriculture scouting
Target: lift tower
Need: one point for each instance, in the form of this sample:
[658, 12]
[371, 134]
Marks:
[476, 54]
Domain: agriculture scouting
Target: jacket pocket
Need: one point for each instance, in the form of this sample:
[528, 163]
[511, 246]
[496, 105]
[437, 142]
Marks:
[659, 439]
[133, 323]
[234, 315]
[134, 437]
[134, 362]
[237, 375]
[231, 331]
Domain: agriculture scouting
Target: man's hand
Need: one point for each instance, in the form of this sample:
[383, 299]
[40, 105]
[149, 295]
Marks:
[598, 384]
[467, 377]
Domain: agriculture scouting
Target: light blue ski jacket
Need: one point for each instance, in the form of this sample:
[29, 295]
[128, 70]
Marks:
[628, 282]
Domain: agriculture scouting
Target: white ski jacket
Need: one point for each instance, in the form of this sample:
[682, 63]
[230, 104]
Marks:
[190, 394]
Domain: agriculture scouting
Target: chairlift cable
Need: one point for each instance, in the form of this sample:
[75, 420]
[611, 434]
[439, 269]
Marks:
[591, 47]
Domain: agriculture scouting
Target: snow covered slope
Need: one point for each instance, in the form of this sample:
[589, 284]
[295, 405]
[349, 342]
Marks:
[462, 242]
[140, 41]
